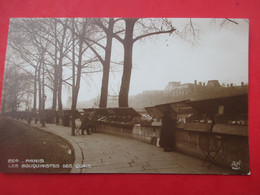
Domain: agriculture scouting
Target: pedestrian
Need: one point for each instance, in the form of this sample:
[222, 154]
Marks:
[92, 122]
[84, 124]
[167, 137]
[36, 118]
[29, 117]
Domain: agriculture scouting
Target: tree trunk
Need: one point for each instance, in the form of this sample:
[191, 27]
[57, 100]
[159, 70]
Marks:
[76, 91]
[60, 88]
[39, 89]
[43, 95]
[125, 83]
[55, 88]
[78, 79]
[73, 104]
[75, 87]
[128, 49]
[55, 82]
[59, 71]
[106, 65]
[35, 90]
[104, 87]
[43, 88]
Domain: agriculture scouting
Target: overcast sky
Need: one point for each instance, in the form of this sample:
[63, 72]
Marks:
[220, 53]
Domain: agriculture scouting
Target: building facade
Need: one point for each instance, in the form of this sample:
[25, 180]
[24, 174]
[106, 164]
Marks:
[176, 91]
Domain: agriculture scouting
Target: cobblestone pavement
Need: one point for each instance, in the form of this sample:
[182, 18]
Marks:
[104, 153]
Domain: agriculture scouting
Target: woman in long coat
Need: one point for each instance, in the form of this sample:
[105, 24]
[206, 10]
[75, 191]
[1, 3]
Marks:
[167, 137]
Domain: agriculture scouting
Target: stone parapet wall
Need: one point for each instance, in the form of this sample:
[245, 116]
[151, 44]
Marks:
[192, 139]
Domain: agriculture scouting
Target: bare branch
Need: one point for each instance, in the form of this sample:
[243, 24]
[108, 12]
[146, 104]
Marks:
[154, 33]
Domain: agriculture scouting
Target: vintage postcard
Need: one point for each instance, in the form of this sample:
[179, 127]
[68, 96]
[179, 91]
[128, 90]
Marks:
[125, 95]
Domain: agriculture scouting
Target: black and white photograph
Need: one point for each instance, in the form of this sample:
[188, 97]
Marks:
[126, 95]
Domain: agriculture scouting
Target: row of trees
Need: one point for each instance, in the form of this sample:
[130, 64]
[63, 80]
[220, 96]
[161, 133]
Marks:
[50, 53]
[46, 49]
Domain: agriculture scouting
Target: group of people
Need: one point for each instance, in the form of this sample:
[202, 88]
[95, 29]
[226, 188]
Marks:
[88, 123]
[46, 116]
[167, 137]
[26, 115]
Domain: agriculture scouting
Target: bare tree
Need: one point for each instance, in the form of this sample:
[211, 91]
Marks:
[148, 27]
[59, 44]
[139, 28]
[16, 88]
[80, 29]
[22, 50]
[93, 42]
[107, 28]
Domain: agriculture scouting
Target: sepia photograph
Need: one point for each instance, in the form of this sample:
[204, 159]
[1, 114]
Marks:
[126, 95]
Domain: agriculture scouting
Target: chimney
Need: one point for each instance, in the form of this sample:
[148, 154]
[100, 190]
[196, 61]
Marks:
[195, 82]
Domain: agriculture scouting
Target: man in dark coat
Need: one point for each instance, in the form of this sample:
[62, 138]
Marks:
[167, 137]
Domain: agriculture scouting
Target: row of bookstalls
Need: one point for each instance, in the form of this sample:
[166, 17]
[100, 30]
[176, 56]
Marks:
[199, 123]
[215, 129]
[120, 117]
[198, 115]
[232, 110]
[226, 110]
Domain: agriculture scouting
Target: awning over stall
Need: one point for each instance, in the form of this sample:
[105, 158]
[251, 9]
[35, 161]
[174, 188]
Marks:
[226, 105]
[113, 116]
[224, 109]
[177, 107]
[113, 111]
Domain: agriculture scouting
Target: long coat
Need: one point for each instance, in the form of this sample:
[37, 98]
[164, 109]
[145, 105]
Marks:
[167, 137]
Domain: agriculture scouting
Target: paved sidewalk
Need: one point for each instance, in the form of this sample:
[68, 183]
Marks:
[104, 153]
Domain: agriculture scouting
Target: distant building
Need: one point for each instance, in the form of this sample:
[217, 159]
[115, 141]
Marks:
[213, 83]
[175, 91]
[172, 86]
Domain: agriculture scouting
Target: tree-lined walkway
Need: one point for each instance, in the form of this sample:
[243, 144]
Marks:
[103, 153]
